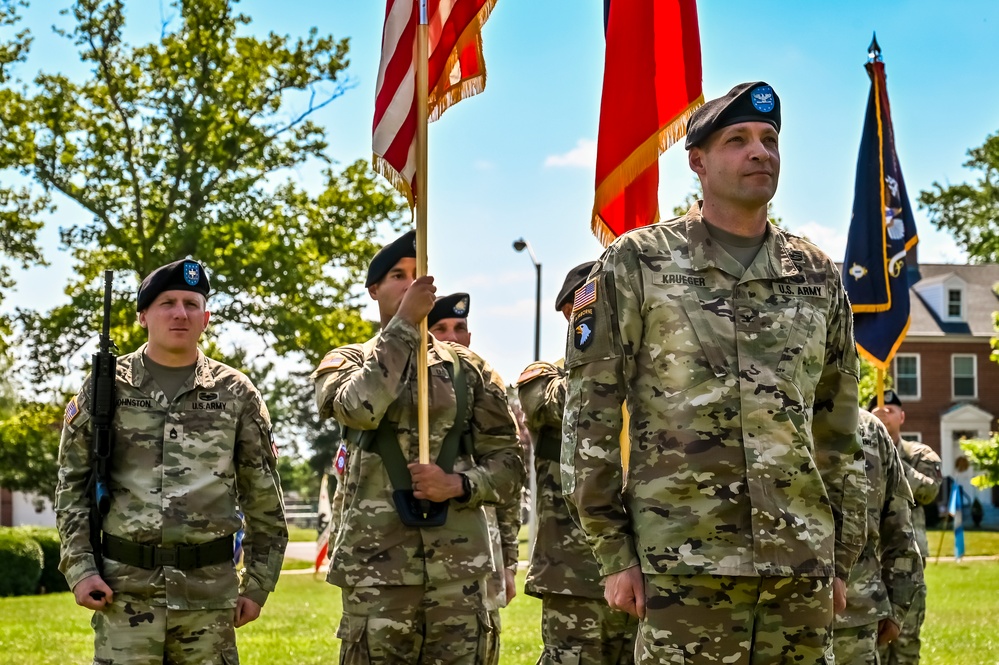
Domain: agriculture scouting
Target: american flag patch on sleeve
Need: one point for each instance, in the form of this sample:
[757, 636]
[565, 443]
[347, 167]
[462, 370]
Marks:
[585, 295]
[72, 410]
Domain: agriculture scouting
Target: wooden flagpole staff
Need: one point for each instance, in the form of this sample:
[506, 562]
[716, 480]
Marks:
[422, 58]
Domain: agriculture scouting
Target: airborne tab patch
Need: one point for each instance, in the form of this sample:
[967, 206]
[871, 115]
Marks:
[72, 411]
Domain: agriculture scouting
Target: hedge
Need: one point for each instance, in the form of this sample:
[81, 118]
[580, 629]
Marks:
[48, 537]
[21, 561]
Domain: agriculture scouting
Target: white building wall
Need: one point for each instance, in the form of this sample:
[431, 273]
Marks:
[26, 511]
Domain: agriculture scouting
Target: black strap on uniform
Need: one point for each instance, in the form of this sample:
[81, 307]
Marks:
[385, 441]
[549, 445]
[182, 557]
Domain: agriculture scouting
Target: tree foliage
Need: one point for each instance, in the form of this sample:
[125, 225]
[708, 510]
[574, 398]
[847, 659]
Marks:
[970, 211]
[29, 448]
[184, 147]
[984, 456]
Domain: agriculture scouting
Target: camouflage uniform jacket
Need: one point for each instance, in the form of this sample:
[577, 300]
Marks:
[922, 470]
[889, 569]
[561, 561]
[358, 385]
[179, 472]
[742, 391]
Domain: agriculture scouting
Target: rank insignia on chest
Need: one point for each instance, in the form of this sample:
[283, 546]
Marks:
[583, 327]
[340, 463]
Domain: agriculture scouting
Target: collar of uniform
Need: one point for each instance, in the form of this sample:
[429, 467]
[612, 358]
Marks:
[704, 252]
[440, 352]
[779, 254]
[136, 373]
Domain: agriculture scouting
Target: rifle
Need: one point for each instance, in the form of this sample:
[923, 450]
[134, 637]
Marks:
[102, 393]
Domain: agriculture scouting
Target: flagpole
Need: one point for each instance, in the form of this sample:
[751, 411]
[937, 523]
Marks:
[422, 59]
[881, 387]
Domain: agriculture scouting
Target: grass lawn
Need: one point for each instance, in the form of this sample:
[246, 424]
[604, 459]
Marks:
[298, 625]
[976, 542]
[297, 534]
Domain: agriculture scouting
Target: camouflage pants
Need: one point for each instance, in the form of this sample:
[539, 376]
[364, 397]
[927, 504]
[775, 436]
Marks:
[491, 651]
[415, 625]
[585, 631]
[736, 620]
[857, 645]
[905, 649]
[129, 633]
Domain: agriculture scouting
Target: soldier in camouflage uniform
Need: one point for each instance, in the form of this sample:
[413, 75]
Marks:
[577, 625]
[414, 594]
[192, 447]
[922, 471]
[448, 322]
[882, 584]
[732, 342]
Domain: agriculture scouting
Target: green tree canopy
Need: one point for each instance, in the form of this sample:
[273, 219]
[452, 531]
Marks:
[970, 211]
[184, 147]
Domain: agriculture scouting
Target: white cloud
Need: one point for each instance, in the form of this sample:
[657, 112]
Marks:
[830, 240]
[584, 155]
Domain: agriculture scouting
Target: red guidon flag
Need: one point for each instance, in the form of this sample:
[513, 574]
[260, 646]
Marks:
[652, 83]
[456, 70]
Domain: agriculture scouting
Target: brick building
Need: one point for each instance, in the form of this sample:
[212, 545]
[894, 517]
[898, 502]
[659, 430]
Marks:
[942, 371]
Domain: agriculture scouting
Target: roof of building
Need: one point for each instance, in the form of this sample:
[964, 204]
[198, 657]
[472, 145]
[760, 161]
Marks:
[980, 299]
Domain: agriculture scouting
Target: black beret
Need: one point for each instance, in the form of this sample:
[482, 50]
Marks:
[183, 275]
[891, 397]
[402, 247]
[573, 281]
[746, 102]
[454, 306]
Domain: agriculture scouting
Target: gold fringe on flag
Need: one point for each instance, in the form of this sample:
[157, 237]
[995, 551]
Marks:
[443, 96]
[639, 160]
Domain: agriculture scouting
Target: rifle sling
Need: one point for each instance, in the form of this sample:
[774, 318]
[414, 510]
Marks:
[386, 439]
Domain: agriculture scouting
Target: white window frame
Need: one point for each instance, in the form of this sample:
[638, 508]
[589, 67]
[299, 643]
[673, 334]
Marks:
[912, 436]
[960, 303]
[919, 376]
[974, 375]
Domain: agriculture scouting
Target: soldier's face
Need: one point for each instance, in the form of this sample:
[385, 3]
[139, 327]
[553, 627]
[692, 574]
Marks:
[175, 321]
[389, 292]
[738, 164]
[892, 416]
[452, 330]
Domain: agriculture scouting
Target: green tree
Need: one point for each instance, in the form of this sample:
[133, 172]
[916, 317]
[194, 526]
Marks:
[969, 212]
[29, 448]
[984, 456]
[174, 149]
[182, 147]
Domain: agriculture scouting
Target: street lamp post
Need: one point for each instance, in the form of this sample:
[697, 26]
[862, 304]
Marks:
[520, 245]
[532, 478]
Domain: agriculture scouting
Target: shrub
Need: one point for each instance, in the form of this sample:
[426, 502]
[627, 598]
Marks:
[52, 580]
[21, 562]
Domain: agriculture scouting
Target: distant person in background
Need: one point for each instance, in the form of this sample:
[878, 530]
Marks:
[922, 471]
[448, 322]
[881, 586]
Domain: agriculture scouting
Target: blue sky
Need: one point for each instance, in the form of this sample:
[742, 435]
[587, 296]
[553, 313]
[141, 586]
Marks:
[517, 160]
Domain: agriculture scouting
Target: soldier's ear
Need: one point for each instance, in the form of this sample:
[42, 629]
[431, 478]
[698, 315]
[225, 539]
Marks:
[373, 291]
[141, 318]
[695, 159]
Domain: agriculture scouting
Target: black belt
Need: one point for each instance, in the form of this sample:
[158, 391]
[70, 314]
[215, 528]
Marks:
[182, 557]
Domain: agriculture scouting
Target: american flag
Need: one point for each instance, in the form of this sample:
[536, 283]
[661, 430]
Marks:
[585, 295]
[456, 70]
